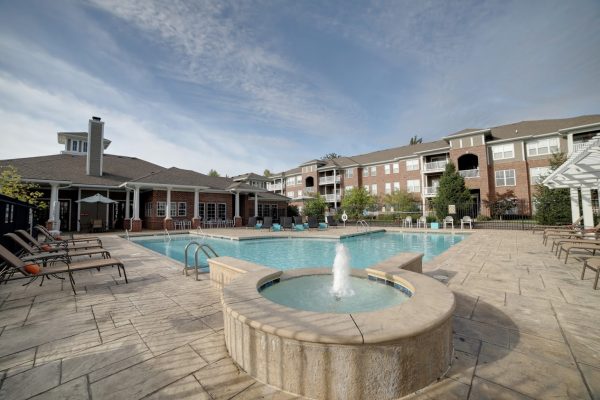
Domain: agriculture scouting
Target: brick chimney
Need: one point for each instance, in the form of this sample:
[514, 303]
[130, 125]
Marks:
[95, 147]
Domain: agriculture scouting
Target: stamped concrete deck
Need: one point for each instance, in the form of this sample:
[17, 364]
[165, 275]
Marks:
[525, 327]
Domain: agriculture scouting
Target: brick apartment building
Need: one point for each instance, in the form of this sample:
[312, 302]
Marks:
[492, 160]
[146, 195]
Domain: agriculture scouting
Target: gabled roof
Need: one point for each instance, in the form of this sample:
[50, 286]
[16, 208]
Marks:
[540, 127]
[398, 152]
[250, 175]
[71, 168]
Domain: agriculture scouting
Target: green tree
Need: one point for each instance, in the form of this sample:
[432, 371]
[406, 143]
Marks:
[415, 140]
[315, 206]
[11, 185]
[213, 172]
[356, 200]
[267, 173]
[401, 200]
[330, 156]
[292, 210]
[452, 190]
[500, 203]
[552, 206]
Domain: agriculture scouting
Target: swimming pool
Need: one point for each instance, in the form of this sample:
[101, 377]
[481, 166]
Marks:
[293, 253]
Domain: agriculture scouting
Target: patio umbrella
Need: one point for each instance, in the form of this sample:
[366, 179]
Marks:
[97, 198]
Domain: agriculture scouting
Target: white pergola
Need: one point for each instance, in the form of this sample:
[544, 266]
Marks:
[581, 171]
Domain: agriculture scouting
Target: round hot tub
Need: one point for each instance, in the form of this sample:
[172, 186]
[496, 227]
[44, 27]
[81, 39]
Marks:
[382, 350]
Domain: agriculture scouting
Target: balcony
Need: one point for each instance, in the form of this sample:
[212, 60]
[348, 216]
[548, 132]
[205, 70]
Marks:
[272, 187]
[435, 166]
[330, 198]
[430, 191]
[469, 173]
[309, 189]
[329, 180]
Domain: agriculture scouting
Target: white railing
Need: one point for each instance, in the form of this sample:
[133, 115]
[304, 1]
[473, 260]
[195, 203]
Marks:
[578, 146]
[436, 165]
[430, 190]
[469, 173]
[328, 180]
[332, 197]
[271, 187]
[310, 189]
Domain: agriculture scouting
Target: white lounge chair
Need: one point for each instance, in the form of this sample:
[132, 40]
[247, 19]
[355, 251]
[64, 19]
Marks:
[466, 220]
[407, 223]
[449, 221]
[422, 221]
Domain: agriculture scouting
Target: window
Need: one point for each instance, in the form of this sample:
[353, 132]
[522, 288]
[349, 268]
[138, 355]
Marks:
[365, 171]
[412, 165]
[173, 209]
[503, 151]
[148, 210]
[388, 188]
[537, 174]
[299, 193]
[541, 147]
[182, 209]
[75, 142]
[299, 180]
[290, 194]
[350, 173]
[505, 177]
[222, 211]
[85, 147]
[387, 169]
[374, 188]
[373, 171]
[211, 211]
[290, 181]
[396, 167]
[413, 186]
[349, 187]
[202, 210]
[396, 186]
[366, 188]
[274, 212]
[161, 208]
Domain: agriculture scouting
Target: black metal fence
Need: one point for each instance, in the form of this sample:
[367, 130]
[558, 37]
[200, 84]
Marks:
[515, 214]
[14, 214]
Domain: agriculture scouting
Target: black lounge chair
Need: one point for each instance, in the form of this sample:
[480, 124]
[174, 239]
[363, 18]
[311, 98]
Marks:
[251, 222]
[286, 223]
[313, 223]
[63, 245]
[267, 223]
[48, 238]
[331, 221]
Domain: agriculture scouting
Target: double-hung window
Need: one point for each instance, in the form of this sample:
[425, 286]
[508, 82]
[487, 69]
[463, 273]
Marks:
[350, 173]
[182, 209]
[503, 151]
[505, 177]
[374, 171]
[396, 167]
[413, 186]
[412, 165]
[211, 211]
[374, 189]
[173, 209]
[386, 168]
[388, 188]
[365, 171]
[396, 186]
[222, 211]
[161, 208]
[543, 146]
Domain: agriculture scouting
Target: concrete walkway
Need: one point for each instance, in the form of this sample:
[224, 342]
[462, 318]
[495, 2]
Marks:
[525, 327]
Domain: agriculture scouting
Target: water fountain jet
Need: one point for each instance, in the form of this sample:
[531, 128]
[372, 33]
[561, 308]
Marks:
[342, 286]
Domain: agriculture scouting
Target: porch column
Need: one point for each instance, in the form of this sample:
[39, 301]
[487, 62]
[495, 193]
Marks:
[575, 211]
[196, 219]
[52, 224]
[79, 210]
[107, 210]
[256, 204]
[334, 191]
[237, 205]
[586, 203]
[168, 223]
[136, 223]
[127, 203]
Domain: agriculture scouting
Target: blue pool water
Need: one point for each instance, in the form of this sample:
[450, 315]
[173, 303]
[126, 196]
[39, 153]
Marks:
[292, 253]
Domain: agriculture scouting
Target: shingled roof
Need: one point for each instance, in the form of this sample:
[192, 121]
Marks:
[540, 127]
[71, 168]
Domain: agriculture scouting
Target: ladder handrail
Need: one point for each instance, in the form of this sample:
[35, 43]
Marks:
[167, 234]
[199, 247]
[362, 223]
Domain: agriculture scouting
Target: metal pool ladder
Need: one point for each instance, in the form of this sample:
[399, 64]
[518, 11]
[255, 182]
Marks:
[362, 224]
[205, 248]
[167, 235]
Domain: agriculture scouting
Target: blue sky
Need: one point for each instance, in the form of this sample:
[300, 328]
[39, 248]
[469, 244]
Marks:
[243, 86]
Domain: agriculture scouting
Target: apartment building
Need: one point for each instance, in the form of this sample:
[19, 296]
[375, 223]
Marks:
[492, 160]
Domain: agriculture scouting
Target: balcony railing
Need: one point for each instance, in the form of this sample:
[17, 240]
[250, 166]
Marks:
[430, 191]
[309, 189]
[469, 173]
[578, 146]
[274, 186]
[330, 198]
[328, 180]
[436, 166]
